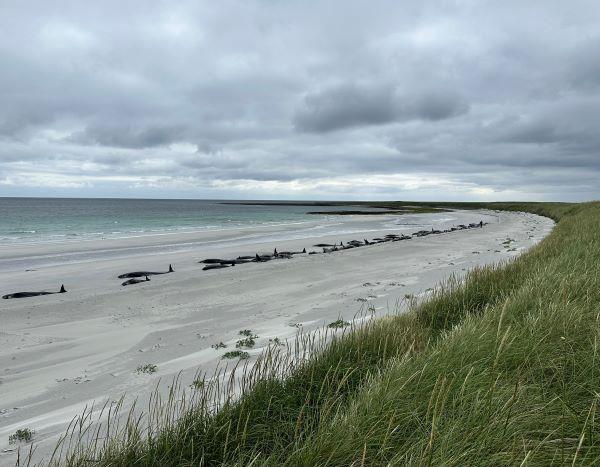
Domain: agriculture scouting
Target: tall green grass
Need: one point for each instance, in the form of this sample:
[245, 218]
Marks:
[512, 380]
[497, 369]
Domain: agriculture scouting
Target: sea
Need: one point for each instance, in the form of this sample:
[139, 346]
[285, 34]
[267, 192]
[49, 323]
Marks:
[43, 220]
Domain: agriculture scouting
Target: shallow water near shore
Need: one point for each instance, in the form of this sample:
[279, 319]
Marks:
[33, 220]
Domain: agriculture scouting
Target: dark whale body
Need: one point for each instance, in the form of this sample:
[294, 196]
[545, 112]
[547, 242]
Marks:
[144, 273]
[135, 281]
[290, 253]
[208, 267]
[32, 294]
[262, 259]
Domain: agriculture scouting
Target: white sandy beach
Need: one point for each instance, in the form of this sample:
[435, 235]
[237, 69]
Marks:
[59, 353]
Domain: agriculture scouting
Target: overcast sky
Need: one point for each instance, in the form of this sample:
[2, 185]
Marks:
[280, 99]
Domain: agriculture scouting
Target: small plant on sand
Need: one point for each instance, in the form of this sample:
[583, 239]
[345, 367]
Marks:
[198, 383]
[148, 368]
[236, 354]
[340, 323]
[275, 341]
[21, 435]
[248, 342]
[218, 346]
[247, 333]
[409, 296]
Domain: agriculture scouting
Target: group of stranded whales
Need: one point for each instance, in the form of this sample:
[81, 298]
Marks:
[219, 263]
[133, 276]
[137, 277]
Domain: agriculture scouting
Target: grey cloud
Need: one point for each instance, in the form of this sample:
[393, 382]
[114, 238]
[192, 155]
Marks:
[345, 106]
[584, 65]
[128, 137]
[502, 96]
[435, 105]
[352, 105]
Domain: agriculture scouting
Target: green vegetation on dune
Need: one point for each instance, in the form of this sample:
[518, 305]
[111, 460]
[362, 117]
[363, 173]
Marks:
[510, 379]
[498, 369]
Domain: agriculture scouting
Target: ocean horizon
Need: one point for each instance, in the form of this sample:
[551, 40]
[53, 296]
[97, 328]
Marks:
[40, 220]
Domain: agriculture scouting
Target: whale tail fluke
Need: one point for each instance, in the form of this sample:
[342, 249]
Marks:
[171, 268]
[62, 289]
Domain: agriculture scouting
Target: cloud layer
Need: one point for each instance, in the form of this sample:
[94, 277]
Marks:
[254, 99]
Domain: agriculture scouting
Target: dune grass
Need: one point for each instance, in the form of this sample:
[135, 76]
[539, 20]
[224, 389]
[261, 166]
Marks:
[494, 370]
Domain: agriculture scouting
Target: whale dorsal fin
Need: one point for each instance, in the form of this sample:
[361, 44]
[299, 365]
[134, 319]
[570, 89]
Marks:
[62, 289]
[171, 268]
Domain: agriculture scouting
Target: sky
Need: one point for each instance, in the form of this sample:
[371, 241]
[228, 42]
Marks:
[289, 99]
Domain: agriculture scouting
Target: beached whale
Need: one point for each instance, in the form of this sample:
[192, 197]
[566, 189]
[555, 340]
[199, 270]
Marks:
[144, 273]
[208, 267]
[290, 253]
[233, 262]
[135, 281]
[262, 258]
[32, 294]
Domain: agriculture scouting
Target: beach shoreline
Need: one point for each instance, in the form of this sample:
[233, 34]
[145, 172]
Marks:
[59, 353]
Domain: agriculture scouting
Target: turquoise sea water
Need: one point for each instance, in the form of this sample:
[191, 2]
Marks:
[59, 219]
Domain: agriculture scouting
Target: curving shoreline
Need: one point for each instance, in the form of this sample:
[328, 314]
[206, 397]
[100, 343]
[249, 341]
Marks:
[87, 345]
